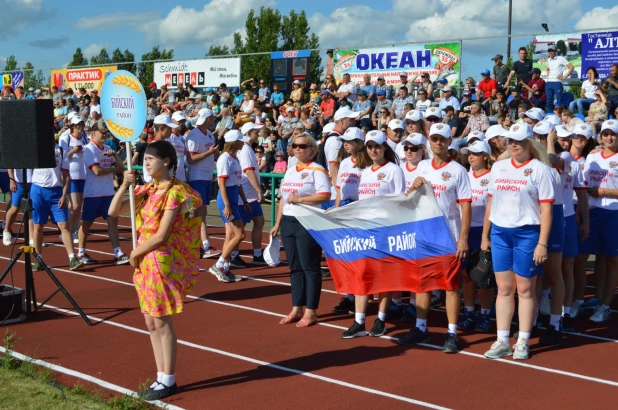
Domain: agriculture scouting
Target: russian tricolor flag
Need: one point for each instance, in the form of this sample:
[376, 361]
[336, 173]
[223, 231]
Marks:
[385, 244]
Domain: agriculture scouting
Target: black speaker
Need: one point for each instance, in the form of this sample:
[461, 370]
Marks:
[27, 134]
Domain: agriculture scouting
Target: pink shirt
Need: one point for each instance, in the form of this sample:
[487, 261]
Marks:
[280, 167]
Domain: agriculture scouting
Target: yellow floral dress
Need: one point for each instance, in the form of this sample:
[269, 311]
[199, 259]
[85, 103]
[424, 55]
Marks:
[168, 273]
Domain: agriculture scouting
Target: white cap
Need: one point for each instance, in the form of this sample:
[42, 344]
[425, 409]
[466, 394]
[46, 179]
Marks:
[475, 134]
[202, 115]
[610, 125]
[248, 127]
[71, 115]
[520, 131]
[76, 120]
[403, 74]
[164, 119]
[395, 124]
[434, 112]
[291, 108]
[296, 82]
[198, 96]
[495, 131]
[553, 119]
[447, 88]
[543, 128]
[440, 129]
[477, 146]
[345, 112]
[535, 113]
[376, 136]
[353, 133]
[564, 132]
[584, 129]
[415, 139]
[328, 128]
[233, 136]
[413, 115]
[179, 116]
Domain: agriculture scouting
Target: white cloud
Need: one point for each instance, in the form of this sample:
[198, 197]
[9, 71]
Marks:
[598, 17]
[115, 20]
[93, 50]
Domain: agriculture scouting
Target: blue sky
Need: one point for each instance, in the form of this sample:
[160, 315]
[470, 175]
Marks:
[47, 33]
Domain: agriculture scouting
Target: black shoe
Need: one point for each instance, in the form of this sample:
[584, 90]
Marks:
[122, 260]
[259, 260]
[237, 262]
[152, 394]
[354, 331]
[378, 328]
[344, 306]
[551, 336]
[86, 259]
[414, 336]
[451, 343]
[567, 323]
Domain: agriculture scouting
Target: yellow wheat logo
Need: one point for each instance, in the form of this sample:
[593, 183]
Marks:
[126, 81]
[118, 130]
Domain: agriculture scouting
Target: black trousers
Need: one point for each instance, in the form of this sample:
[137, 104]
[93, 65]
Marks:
[303, 254]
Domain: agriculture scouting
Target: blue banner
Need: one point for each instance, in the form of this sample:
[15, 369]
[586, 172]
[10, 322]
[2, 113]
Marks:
[599, 50]
[277, 55]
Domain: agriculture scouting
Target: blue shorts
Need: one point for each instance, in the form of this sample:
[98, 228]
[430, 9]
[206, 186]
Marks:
[256, 211]
[345, 202]
[77, 186]
[512, 249]
[326, 205]
[474, 242]
[45, 202]
[5, 183]
[232, 196]
[96, 207]
[18, 195]
[204, 188]
[602, 238]
[571, 237]
[555, 243]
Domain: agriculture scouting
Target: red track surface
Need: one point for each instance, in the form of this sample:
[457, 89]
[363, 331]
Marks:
[233, 354]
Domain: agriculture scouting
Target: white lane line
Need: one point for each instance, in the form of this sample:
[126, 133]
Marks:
[91, 379]
[476, 355]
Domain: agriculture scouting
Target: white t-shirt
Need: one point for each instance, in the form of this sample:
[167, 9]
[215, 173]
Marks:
[423, 105]
[309, 180]
[349, 87]
[451, 186]
[410, 173]
[557, 181]
[589, 89]
[479, 186]
[102, 185]
[557, 67]
[17, 174]
[51, 177]
[571, 180]
[228, 167]
[198, 143]
[77, 169]
[178, 142]
[385, 180]
[348, 179]
[518, 191]
[248, 161]
[332, 146]
[602, 172]
[579, 161]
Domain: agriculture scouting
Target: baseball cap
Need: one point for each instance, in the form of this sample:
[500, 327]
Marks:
[534, 71]
[76, 120]
[98, 125]
[248, 127]
[466, 93]
[198, 96]
[394, 124]
[345, 112]
[520, 131]
[495, 131]
[179, 116]
[535, 113]
[152, 84]
[553, 119]
[551, 47]
[485, 72]
[414, 139]
[233, 136]
[584, 129]
[353, 133]
[564, 132]
[433, 112]
[413, 115]
[324, 92]
[475, 134]
[440, 129]
[381, 92]
[376, 136]
[476, 147]
[498, 57]
[71, 115]
[610, 125]
[328, 128]
[296, 82]
[380, 77]
[202, 115]
[362, 92]
[235, 89]
[164, 119]
[447, 88]
[442, 81]
[543, 128]
[403, 74]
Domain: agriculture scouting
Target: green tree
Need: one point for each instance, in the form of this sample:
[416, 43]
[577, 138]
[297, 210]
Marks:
[78, 59]
[11, 63]
[101, 59]
[124, 60]
[530, 49]
[562, 48]
[146, 70]
[29, 76]
[295, 36]
[217, 51]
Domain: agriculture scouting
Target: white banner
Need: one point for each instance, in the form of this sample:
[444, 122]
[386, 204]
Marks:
[209, 72]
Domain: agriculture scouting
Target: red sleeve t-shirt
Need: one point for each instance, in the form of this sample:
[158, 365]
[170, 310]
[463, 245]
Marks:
[487, 86]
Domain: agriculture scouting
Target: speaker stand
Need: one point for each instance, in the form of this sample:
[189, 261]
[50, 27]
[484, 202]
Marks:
[27, 250]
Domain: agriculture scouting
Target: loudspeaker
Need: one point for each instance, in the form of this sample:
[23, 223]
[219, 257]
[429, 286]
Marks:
[27, 134]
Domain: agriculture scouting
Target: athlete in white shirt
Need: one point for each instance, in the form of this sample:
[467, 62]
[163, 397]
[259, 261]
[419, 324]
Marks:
[519, 218]
[50, 196]
[15, 177]
[178, 141]
[383, 176]
[451, 187]
[101, 164]
[201, 150]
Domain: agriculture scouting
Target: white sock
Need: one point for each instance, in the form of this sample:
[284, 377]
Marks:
[382, 316]
[226, 267]
[257, 252]
[469, 308]
[71, 256]
[503, 336]
[118, 252]
[566, 310]
[81, 251]
[452, 329]
[421, 324]
[397, 301]
[545, 294]
[156, 383]
[206, 244]
[220, 262]
[166, 381]
[351, 298]
[485, 311]
[524, 337]
[359, 318]
[554, 320]
[235, 254]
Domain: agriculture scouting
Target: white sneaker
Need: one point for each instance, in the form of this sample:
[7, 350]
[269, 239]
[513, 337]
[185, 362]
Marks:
[576, 308]
[498, 349]
[601, 314]
[520, 351]
[545, 307]
[75, 238]
[7, 238]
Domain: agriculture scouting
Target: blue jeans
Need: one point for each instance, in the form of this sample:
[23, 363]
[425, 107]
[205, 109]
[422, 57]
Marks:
[581, 104]
[553, 89]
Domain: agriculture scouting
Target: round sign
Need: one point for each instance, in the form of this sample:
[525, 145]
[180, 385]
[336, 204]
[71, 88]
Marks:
[123, 105]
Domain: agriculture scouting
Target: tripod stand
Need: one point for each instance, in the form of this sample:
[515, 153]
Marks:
[27, 251]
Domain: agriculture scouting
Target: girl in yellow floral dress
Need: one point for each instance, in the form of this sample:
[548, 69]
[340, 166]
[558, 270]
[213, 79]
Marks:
[166, 259]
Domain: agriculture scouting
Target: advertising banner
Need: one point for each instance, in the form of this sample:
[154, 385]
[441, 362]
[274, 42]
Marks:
[568, 46]
[13, 79]
[599, 50]
[210, 72]
[439, 60]
[90, 78]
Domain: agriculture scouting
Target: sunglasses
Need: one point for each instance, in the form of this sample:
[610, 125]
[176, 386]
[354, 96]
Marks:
[301, 146]
[412, 148]
[262, 83]
[383, 112]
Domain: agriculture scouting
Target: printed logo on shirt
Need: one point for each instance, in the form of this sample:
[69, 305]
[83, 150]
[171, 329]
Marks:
[304, 175]
[528, 172]
[381, 176]
[484, 182]
[446, 176]
[613, 164]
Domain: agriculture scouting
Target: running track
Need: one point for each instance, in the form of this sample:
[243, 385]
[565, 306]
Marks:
[233, 354]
